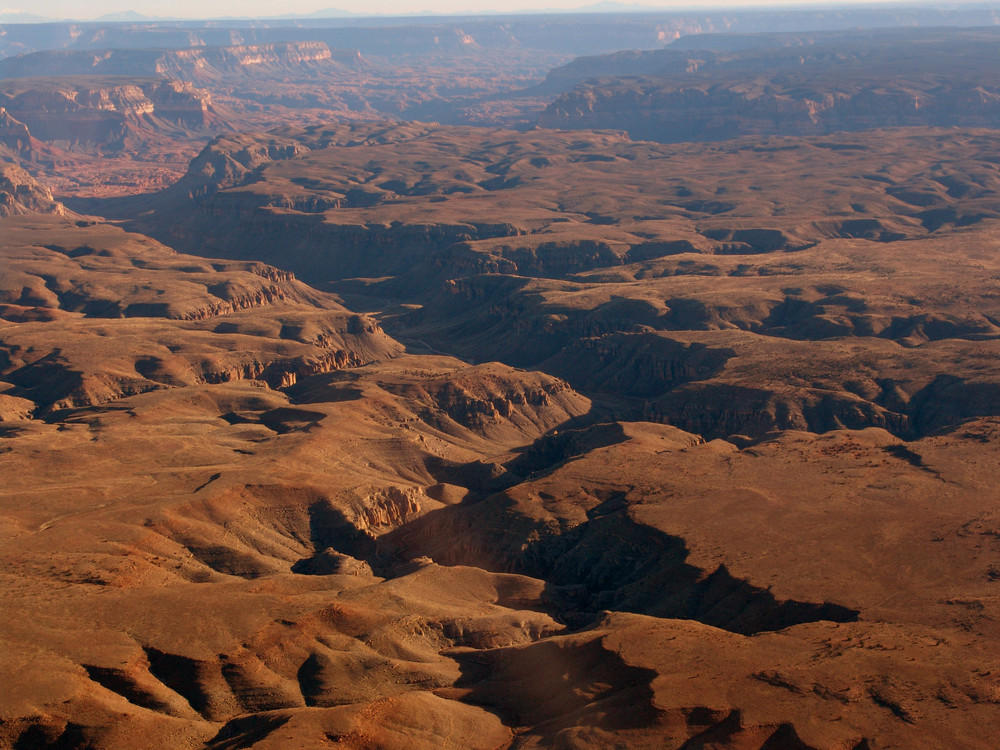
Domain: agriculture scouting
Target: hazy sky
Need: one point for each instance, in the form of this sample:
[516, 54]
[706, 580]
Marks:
[258, 8]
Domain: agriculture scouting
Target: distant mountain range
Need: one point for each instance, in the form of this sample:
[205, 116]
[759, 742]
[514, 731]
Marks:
[130, 16]
[8, 15]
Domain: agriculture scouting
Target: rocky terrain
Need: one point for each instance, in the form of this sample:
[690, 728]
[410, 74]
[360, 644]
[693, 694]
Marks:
[107, 122]
[456, 202]
[692, 279]
[374, 544]
[379, 434]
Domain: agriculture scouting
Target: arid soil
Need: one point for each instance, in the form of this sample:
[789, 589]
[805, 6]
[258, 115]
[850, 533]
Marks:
[384, 435]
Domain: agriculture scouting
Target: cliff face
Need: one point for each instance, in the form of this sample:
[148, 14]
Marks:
[199, 64]
[14, 133]
[718, 88]
[206, 64]
[104, 112]
[657, 110]
[21, 194]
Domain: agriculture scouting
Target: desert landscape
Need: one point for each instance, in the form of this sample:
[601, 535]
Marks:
[561, 381]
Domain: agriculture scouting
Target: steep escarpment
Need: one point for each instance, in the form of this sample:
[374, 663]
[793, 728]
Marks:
[789, 85]
[107, 113]
[493, 402]
[652, 109]
[20, 193]
[201, 65]
[14, 134]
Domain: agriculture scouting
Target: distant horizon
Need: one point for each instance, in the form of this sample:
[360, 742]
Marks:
[222, 10]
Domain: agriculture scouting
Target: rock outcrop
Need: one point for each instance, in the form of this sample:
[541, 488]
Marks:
[200, 65]
[107, 114]
[20, 193]
[14, 134]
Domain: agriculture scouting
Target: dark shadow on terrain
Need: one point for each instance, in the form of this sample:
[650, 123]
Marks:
[325, 388]
[949, 400]
[205, 484]
[314, 683]
[727, 732]
[609, 562]
[911, 457]
[309, 679]
[118, 681]
[613, 563]
[181, 674]
[229, 561]
[46, 380]
[284, 419]
[478, 477]
[579, 684]
[71, 737]
[114, 208]
[557, 447]
[642, 365]
[330, 529]
[246, 731]
[572, 438]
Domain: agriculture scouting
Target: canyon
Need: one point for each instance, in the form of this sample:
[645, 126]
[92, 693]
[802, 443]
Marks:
[636, 401]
